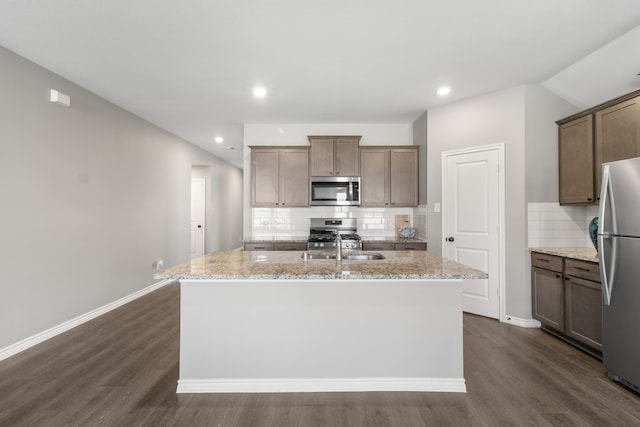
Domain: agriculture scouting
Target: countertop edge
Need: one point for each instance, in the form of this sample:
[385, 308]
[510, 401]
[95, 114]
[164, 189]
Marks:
[324, 277]
[579, 253]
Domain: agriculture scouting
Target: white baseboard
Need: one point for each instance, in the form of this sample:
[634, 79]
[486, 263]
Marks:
[301, 385]
[523, 323]
[69, 324]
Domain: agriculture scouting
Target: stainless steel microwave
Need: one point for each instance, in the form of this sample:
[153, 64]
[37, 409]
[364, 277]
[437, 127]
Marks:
[334, 190]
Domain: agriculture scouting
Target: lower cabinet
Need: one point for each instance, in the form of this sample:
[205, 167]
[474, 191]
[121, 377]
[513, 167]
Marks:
[567, 299]
[548, 299]
[275, 246]
[411, 246]
[583, 300]
[378, 246]
[394, 246]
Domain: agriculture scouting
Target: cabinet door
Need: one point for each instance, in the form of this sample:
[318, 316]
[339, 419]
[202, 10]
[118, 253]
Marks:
[378, 246]
[583, 299]
[411, 246]
[265, 174]
[294, 177]
[374, 172]
[347, 157]
[575, 140]
[321, 157]
[617, 134]
[255, 246]
[291, 246]
[548, 297]
[403, 177]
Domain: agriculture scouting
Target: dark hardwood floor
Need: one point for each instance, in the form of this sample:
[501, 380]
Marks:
[121, 369]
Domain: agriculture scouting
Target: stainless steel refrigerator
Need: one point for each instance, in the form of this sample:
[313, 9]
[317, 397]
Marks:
[619, 247]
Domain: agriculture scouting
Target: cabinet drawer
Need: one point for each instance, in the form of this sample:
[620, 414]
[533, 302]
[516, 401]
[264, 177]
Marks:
[548, 262]
[411, 246]
[378, 246]
[583, 269]
[258, 246]
[291, 246]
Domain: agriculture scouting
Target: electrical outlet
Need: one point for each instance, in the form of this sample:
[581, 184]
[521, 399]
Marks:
[157, 265]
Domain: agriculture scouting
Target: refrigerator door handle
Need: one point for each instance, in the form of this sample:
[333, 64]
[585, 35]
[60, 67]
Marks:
[607, 265]
[607, 205]
[607, 226]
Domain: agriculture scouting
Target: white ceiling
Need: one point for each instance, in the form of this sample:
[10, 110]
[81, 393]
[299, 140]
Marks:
[189, 66]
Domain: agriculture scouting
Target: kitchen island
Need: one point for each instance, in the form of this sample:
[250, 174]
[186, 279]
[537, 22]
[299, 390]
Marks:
[268, 321]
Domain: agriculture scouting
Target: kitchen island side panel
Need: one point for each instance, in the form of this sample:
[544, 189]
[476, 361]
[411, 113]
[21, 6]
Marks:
[338, 331]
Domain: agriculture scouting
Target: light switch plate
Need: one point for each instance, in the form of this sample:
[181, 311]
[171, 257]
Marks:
[436, 207]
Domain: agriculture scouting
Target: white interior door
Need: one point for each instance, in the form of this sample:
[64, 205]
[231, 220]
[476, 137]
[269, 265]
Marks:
[197, 218]
[471, 222]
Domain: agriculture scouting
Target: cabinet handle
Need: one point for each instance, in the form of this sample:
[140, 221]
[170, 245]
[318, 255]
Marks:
[558, 275]
[582, 269]
[542, 260]
[258, 247]
[590, 199]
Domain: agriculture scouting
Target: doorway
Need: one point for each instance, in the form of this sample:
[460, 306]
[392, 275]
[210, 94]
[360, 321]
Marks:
[473, 222]
[197, 217]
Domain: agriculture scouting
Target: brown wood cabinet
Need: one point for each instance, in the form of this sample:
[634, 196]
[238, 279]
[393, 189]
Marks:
[291, 246]
[378, 246]
[617, 134]
[275, 246]
[258, 246]
[389, 176]
[567, 299]
[605, 133]
[335, 155]
[547, 290]
[583, 301]
[411, 246]
[576, 152]
[279, 176]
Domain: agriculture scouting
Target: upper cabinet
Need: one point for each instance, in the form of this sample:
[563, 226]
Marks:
[605, 133]
[389, 176]
[576, 161]
[279, 177]
[617, 133]
[335, 155]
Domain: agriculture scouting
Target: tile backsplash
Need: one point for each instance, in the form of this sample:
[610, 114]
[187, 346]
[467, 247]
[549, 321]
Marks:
[552, 225]
[280, 223]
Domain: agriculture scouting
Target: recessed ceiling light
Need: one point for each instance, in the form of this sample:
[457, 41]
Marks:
[219, 139]
[259, 92]
[444, 90]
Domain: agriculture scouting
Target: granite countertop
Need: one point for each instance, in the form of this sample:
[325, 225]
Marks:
[579, 253]
[288, 265]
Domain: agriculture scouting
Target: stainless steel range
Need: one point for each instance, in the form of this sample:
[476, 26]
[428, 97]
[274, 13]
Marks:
[322, 233]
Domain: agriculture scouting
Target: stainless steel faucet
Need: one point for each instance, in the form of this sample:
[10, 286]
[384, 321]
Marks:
[338, 246]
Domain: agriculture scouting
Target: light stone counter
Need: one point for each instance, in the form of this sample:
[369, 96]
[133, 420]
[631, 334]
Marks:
[579, 253]
[289, 265]
[270, 322]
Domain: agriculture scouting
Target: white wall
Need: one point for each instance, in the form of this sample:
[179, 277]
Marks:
[91, 196]
[296, 134]
[523, 118]
[420, 138]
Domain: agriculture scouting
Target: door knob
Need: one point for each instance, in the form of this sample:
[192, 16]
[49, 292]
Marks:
[450, 239]
[199, 226]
